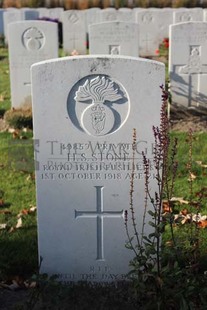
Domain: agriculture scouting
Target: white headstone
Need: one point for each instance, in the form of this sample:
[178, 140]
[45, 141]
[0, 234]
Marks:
[29, 14]
[43, 12]
[11, 16]
[74, 31]
[125, 15]
[148, 21]
[56, 13]
[205, 15]
[29, 42]
[1, 22]
[84, 112]
[165, 19]
[188, 64]
[108, 14]
[187, 15]
[117, 38]
[92, 16]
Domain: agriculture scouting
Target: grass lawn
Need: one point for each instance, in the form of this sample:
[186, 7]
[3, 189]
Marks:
[4, 81]
[18, 240]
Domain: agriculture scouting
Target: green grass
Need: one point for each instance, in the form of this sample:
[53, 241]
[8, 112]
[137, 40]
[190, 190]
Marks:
[199, 154]
[18, 247]
[5, 101]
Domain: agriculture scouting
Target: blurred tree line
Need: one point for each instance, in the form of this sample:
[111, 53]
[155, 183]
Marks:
[85, 4]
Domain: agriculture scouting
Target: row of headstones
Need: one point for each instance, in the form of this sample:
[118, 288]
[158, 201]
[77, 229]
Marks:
[153, 24]
[34, 41]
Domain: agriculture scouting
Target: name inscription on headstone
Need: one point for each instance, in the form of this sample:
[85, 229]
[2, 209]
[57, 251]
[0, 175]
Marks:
[95, 161]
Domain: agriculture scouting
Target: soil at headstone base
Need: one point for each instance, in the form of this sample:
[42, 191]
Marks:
[186, 119]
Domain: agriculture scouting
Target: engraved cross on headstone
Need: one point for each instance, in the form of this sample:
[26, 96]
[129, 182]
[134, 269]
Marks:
[99, 214]
[146, 41]
[74, 39]
[195, 69]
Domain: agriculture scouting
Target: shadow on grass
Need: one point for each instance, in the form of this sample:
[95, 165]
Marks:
[2, 112]
[18, 255]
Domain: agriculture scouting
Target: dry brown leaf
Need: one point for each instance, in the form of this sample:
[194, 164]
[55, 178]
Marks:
[30, 284]
[19, 223]
[33, 209]
[15, 135]
[166, 207]
[180, 200]
[13, 286]
[11, 230]
[184, 212]
[11, 130]
[24, 212]
[192, 177]
[169, 243]
[202, 224]
[1, 98]
[5, 212]
[3, 226]
[1, 203]
[200, 163]
[23, 138]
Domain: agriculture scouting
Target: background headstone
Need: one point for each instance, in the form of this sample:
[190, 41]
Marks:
[148, 21]
[188, 64]
[108, 14]
[187, 15]
[11, 16]
[118, 38]
[29, 14]
[84, 112]
[125, 15]
[74, 31]
[1, 22]
[165, 19]
[92, 16]
[29, 42]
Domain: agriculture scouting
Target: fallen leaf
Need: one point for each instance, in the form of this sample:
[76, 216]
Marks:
[192, 177]
[24, 211]
[184, 211]
[1, 203]
[166, 207]
[1, 98]
[12, 287]
[32, 209]
[3, 226]
[11, 130]
[5, 212]
[180, 200]
[202, 224]
[169, 243]
[19, 223]
[200, 163]
[23, 137]
[15, 135]
[30, 284]
[11, 229]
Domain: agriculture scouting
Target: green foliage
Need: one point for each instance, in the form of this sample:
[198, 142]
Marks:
[169, 263]
[4, 81]
[18, 254]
